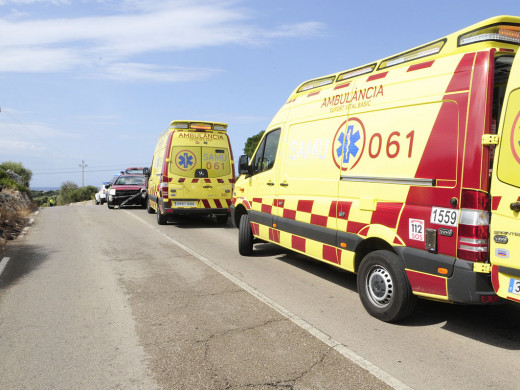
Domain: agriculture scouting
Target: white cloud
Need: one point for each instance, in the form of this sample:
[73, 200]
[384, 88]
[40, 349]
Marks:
[147, 72]
[140, 27]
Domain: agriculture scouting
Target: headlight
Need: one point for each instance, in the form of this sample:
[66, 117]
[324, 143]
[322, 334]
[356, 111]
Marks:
[112, 191]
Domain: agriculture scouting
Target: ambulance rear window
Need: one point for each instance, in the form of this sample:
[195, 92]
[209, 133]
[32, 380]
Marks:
[185, 161]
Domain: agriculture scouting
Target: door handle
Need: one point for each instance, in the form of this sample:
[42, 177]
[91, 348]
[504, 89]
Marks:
[515, 206]
[270, 183]
[207, 187]
[284, 184]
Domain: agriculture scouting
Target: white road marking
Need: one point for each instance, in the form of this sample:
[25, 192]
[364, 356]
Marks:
[342, 349]
[3, 264]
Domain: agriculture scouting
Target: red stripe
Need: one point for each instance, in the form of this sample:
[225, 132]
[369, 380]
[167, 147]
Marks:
[205, 203]
[313, 94]
[319, 220]
[331, 254]
[267, 209]
[342, 86]
[495, 202]
[274, 235]
[386, 214]
[298, 243]
[377, 76]
[462, 77]
[291, 214]
[255, 228]
[218, 204]
[305, 205]
[423, 65]
[429, 284]
[355, 227]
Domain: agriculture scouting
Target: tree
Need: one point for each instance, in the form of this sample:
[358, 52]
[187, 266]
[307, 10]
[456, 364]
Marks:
[252, 142]
[19, 169]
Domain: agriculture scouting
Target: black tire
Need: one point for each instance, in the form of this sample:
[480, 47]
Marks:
[245, 236]
[222, 219]
[161, 218]
[149, 209]
[384, 288]
[96, 201]
[109, 205]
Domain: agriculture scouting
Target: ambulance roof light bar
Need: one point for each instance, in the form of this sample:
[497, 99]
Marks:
[357, 72]
[316, 83]
[498, 32]
[181, 125]
[423, 51]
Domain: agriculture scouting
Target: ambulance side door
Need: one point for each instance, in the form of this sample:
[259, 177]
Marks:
[263, 180]
[505, 192]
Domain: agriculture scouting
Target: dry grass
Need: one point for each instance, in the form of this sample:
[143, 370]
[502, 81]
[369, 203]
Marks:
[12, 220]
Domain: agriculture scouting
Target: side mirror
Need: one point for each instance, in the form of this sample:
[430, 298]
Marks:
[146, 171]
[243, 165]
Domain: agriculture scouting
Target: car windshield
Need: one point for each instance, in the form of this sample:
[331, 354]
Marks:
[131, 180]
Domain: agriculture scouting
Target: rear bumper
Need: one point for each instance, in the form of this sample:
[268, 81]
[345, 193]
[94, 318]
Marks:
[166, 207]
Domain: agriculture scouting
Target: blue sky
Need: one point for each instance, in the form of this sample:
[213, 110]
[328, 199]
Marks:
[99, 80]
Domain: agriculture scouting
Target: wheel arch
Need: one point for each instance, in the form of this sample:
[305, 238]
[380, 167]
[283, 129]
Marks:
[370, 245]
[238, 212]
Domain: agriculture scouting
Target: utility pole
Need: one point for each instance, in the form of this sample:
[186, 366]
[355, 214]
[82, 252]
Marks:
[82, 166]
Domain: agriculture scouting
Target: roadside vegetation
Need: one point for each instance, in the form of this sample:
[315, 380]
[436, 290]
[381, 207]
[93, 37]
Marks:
[17, 201]
[252, 142]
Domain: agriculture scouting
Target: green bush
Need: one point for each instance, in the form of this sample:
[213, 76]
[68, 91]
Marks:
[19, 169]
[71, 193]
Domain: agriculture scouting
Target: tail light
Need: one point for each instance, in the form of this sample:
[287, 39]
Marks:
[164, 190]
[473, 241]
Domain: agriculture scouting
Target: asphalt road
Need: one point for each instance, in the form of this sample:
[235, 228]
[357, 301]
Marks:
[92, 298]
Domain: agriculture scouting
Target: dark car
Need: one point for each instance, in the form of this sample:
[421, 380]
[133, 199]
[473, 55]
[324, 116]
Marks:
[127, 190]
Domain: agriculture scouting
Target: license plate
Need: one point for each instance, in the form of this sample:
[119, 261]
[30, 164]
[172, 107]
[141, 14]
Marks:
[514, 286]
[185, 204]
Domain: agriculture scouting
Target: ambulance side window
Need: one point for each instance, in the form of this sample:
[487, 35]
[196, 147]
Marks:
[266, 153]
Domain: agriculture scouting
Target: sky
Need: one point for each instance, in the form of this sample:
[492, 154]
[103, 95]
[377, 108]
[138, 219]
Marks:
[95, 82]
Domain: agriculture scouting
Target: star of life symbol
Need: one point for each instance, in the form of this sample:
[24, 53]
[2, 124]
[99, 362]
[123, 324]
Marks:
[349, 144]
[185, 160]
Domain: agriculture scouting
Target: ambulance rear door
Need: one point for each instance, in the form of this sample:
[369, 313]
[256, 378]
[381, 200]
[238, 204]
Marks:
[505, 192]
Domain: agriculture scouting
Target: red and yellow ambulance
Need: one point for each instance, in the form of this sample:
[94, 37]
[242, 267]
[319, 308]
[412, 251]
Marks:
[405, 171]
[192, 171]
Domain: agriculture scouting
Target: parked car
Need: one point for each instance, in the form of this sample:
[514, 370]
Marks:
[128, 190]
[101, 195]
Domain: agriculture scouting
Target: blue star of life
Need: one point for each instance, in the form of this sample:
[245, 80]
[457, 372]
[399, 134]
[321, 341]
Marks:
[348, 144]
[185, 160]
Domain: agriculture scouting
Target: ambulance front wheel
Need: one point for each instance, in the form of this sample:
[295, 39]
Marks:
[384, 288]
[245, 236]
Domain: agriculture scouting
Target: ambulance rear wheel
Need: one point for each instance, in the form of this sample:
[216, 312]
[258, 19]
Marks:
[149, 208]
[161, 218]
[383, 287]
[245, 236]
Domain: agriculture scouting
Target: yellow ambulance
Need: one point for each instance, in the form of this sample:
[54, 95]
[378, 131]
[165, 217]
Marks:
[192, 171]
[405, 171]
